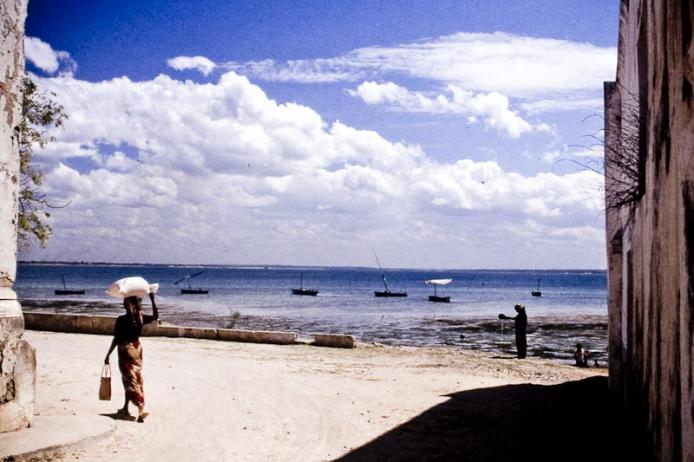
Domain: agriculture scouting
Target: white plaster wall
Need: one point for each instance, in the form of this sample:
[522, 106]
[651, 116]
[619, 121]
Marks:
[12, 14]
[17, 358]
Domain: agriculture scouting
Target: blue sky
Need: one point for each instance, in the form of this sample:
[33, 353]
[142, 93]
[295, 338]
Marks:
[110, 38]
[310, 132]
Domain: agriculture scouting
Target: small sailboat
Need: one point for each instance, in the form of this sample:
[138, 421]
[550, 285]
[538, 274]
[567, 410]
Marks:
[387, 292]
[66, 291]
[436, 297]
[191, 290]
[301, 290]
[536, 293]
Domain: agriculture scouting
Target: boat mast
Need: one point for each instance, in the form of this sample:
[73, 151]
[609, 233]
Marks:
[383, 274]
[188, 278]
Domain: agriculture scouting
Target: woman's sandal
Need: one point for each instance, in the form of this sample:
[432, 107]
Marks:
[141, 418]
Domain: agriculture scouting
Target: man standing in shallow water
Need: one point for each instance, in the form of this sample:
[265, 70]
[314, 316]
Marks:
[521, 324]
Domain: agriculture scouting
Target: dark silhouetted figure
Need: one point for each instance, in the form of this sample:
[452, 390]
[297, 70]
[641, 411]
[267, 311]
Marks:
[581, 356]
[521, 324]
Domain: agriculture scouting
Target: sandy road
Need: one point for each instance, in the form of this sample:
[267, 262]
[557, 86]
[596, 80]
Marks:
[232, 401]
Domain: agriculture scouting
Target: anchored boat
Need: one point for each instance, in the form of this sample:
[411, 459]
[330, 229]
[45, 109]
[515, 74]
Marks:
[536, 293]
[191, 290]
[66, 291]
[301, 290]
[387, 292]
[436, 297]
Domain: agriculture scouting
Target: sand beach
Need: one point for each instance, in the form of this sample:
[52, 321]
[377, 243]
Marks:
[213, 400]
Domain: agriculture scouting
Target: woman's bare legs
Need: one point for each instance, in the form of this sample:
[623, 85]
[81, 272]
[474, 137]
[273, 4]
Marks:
[124, 410]
[142, 413]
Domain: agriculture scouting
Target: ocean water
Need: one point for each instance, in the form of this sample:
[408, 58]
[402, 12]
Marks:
[572, 309]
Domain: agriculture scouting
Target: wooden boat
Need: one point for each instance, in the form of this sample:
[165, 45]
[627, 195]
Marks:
[69, 291]
[301, 290]
[192, 290]
[436, 297]
[387, 292]
[536, 293]
[439, 298]
[66, 291]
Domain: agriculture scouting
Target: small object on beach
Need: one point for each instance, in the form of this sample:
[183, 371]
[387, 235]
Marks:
[134, 286]
[581, 356]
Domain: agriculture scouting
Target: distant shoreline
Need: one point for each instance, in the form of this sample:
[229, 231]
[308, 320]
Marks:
[301, 267]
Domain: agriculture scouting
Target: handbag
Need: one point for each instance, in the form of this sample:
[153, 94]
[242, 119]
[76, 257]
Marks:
[105, 385]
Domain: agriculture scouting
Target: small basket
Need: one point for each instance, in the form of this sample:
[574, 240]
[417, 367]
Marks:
[105, 385]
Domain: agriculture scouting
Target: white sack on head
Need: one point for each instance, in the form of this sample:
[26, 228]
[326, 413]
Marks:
[134, 286]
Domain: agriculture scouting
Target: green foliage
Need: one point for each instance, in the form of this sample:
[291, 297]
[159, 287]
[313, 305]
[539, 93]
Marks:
[39, 113]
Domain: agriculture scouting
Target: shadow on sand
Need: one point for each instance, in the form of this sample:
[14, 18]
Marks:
[569, 421]
[119, 416]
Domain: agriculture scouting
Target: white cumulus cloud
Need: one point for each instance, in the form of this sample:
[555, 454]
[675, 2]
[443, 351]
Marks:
[492, 107]
[198, 63]
[44, 57]
[167, 170]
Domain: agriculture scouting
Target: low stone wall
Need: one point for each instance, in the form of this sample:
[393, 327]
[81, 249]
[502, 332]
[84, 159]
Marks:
[103, 325]
[334, 340]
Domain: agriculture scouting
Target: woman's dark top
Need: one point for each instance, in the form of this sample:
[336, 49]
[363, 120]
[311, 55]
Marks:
[129, 329]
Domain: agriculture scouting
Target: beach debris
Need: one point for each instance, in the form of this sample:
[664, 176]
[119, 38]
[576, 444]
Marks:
[232, 319]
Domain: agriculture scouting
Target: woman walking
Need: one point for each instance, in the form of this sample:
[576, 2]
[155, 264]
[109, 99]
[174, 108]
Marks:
[126, 337]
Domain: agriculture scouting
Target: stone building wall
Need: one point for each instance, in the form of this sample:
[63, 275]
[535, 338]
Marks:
[17, 360]
[650, 240]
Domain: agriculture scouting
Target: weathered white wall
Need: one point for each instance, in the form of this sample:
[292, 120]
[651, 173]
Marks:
[11, 73]
[17, 359]
[651, 269]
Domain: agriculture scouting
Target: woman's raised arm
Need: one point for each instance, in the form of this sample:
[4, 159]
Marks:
[155, 310]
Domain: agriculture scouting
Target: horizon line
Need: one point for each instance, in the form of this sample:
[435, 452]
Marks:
[291, 266]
